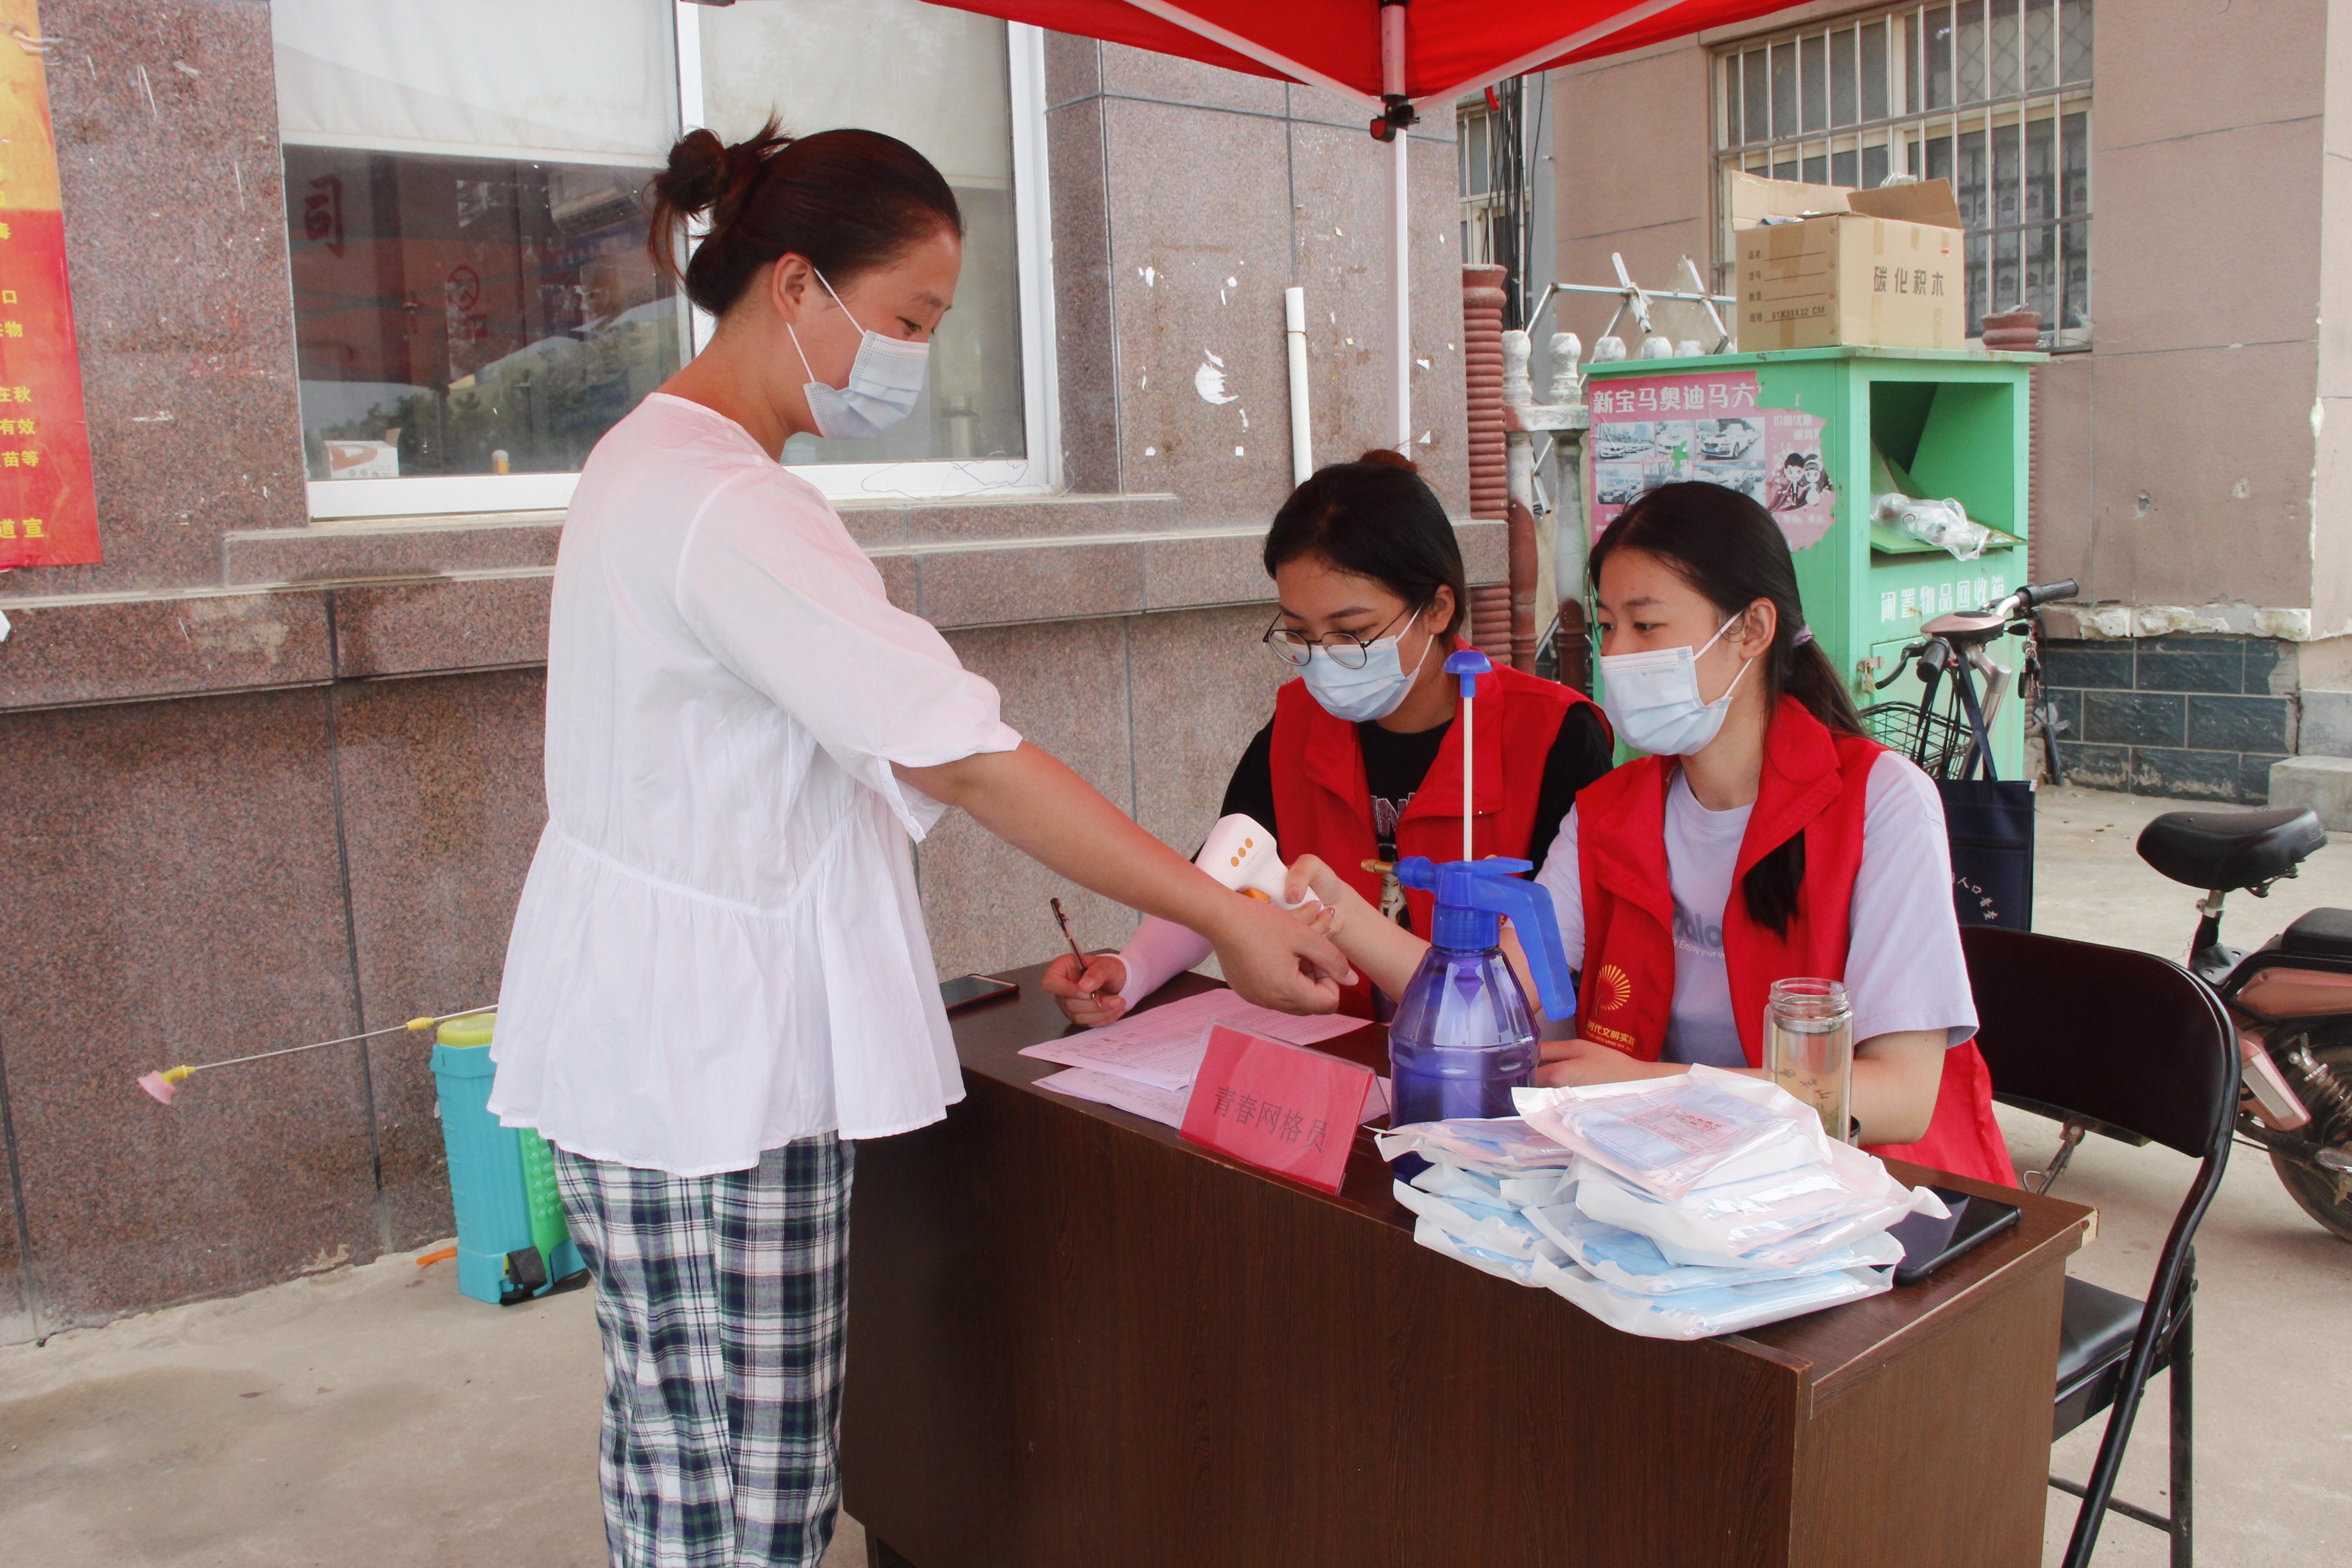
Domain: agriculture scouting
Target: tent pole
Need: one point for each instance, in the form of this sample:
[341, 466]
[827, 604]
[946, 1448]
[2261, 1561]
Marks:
[1399, 300]
[1392, 86]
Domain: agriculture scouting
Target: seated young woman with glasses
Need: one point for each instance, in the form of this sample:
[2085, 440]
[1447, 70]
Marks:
[1361, 764]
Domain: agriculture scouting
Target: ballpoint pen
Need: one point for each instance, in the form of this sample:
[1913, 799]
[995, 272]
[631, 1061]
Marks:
[1074, 951]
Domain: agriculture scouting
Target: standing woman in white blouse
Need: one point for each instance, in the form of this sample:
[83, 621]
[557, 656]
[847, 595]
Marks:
[719, 976]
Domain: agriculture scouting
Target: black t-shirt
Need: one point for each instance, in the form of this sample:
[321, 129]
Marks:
[1395, 765]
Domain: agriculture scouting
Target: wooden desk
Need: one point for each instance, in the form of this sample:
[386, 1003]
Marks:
[1077, 1340]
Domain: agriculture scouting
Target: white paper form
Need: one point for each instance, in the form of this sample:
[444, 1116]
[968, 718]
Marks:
[1164, 1046]
[1165, 1106]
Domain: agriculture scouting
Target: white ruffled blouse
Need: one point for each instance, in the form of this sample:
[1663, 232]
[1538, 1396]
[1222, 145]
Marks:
[719, 947]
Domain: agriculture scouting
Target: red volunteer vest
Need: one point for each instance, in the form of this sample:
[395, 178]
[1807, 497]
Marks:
[1814, 783]
[1323, 806]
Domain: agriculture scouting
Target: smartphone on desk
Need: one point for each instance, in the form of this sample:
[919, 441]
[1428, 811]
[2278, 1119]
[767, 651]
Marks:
[1929, 1243]
[966, 989]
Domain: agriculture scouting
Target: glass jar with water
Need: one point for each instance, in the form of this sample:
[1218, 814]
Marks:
[1809, 1047]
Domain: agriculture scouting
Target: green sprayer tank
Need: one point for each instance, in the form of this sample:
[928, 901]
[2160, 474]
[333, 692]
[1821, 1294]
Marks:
[512, 1243]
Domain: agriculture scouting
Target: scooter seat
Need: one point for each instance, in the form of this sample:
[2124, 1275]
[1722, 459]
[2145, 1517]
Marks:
[2319, 933]
[2231, 849]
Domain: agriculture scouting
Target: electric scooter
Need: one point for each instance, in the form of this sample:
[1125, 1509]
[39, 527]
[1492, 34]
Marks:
[2291, 998]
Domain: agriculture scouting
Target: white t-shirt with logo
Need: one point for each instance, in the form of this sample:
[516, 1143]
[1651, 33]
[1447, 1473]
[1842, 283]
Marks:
[1904, 967]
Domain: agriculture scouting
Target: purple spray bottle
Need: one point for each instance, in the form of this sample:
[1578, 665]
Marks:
[1464, 1036]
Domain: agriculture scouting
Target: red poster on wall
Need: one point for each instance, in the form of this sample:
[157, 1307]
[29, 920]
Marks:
[48, 512]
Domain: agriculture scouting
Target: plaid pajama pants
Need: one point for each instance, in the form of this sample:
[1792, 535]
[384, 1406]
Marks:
[722, 1301]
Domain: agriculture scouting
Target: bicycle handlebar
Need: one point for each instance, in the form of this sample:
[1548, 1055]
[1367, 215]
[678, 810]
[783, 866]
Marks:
[1937, 653]
[2037, 594]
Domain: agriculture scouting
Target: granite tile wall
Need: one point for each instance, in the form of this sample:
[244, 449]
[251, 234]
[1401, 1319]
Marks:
[1215, 192]
[442, 807]
[19, 1320]
[1065, 687]
[166, 124]
[1185, 748]
[1086, 338]
[170, 892]
[59, 655]
[2200, 718]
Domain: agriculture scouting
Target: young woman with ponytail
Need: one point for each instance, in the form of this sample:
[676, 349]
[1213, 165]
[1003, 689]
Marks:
[1762, 837]
[717, 977]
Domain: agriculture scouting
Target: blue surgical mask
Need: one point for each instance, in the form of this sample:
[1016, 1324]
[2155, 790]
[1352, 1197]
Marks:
[886, 381]
[1651, 699]
[1360, 696]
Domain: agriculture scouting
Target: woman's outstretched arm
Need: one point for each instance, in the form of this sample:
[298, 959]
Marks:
[1035, 802]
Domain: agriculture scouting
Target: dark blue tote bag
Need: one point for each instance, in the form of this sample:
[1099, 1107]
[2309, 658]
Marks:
[1990, 824]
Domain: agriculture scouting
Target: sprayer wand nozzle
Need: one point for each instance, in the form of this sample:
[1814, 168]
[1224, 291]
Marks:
[164, 1084]
[1467, 665]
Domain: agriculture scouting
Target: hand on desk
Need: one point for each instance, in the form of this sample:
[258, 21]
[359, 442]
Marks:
[1896, 1077]
[1572, 1064]
[1092, 999]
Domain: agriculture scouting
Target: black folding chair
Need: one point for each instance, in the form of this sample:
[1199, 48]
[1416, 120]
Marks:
[2133, 1047]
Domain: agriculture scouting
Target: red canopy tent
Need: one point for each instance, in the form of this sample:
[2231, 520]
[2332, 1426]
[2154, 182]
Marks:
[1388, 55]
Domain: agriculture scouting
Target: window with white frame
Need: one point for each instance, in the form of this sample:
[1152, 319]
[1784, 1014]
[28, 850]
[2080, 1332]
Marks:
[1993, 95]
[474, 306]
[1482, 197]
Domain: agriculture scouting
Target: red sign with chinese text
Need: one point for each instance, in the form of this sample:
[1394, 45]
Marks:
[49, 511]
[1280, 1107]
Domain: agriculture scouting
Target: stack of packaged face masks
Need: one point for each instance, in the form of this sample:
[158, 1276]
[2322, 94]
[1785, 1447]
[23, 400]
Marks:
[1675, 1207]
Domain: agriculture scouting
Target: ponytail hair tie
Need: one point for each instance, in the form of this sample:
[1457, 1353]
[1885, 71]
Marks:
[1805, 634]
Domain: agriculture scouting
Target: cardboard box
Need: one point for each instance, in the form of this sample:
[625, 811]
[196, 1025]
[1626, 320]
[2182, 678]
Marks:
[1885, 266]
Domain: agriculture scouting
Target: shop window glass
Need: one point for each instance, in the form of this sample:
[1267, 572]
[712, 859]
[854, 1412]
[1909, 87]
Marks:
[817, 64]
[471, 291]
[465, 187]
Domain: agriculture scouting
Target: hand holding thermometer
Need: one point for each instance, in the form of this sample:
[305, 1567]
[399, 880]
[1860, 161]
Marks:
[1240, 854]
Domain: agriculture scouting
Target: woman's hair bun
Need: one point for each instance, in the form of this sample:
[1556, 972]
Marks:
[1389, 456]
[707, 176]
[697, 175]
[846, 200]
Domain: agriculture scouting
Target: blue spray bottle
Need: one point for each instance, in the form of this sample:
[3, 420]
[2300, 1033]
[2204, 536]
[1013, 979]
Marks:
[1464, 1036]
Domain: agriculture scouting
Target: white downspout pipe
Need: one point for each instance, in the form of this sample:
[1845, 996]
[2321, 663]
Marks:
[1392, 15]
[1302, 429]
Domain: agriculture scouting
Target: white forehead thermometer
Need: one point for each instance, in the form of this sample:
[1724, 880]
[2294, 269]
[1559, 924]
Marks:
[1240, 854]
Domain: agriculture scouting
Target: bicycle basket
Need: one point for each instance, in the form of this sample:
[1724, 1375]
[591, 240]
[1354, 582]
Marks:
[1937, 743]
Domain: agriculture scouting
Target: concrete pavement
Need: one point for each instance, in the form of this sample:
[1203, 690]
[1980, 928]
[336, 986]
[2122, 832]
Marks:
[373, 1416]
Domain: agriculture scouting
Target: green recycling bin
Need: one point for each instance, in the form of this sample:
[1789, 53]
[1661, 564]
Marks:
[1815, 434]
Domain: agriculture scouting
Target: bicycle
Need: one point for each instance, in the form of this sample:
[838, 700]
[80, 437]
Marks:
[1950, 657]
